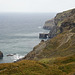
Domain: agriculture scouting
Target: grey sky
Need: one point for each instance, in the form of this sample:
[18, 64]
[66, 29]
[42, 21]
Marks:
[36, 5]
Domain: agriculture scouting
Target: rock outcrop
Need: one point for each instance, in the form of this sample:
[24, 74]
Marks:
[61, 17]
[1, 55]
[43, 35]
[53, 32]
[49, 24]
[61, 20]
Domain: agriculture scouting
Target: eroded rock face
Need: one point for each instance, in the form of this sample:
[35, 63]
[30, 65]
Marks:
[63, 21]
[1, 55]
[61, 17]
[53, 32]
[49, 24]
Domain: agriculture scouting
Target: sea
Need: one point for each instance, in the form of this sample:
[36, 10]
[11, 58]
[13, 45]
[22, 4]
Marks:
[19, 33]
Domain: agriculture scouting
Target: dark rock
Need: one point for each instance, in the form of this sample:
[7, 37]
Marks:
[1, 55]
[42, 40]
[73, 11]
[43, 35]
[53, 32]
[11, 54]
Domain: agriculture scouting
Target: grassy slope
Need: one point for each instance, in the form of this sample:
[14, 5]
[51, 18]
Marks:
[27, 67]
[59, 46]
[57, 66]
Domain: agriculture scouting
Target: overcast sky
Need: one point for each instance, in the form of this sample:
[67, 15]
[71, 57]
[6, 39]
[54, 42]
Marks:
[36, 5]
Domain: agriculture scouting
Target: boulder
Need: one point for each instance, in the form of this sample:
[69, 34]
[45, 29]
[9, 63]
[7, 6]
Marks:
[43, 35]
[1, 55]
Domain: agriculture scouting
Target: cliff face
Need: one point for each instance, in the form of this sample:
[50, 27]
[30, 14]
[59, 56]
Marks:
[62, 20]
[61, 17]
[1, 55]
[54, 25]
[61, 45]
[49, 24]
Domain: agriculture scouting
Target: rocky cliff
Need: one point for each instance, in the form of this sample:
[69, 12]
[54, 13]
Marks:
[61, 45]
[62, 20]
[61, 17]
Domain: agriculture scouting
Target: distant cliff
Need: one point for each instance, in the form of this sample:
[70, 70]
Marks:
[49, 24]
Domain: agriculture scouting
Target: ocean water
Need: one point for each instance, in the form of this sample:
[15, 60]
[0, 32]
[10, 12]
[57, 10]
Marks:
[19, 33]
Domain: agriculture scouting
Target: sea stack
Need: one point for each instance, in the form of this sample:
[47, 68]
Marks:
[1, 55]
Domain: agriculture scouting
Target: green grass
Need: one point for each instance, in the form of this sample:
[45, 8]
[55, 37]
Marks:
[27, 67]
[46, 66]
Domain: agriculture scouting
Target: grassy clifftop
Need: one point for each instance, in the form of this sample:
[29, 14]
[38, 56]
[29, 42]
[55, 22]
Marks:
[55, 56]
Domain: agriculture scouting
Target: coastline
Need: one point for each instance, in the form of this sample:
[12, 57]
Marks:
[56, 56]
[59, 28]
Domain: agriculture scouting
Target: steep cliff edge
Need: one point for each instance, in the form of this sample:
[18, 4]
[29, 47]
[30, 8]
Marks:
[61, 45]
[61, 19]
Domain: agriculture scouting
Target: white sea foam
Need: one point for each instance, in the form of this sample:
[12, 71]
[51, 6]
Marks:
[17, 57]
[39, 27]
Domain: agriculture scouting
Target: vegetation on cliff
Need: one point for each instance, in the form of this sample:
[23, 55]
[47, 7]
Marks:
[59, 46]
[55, 56]
[66, 15]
